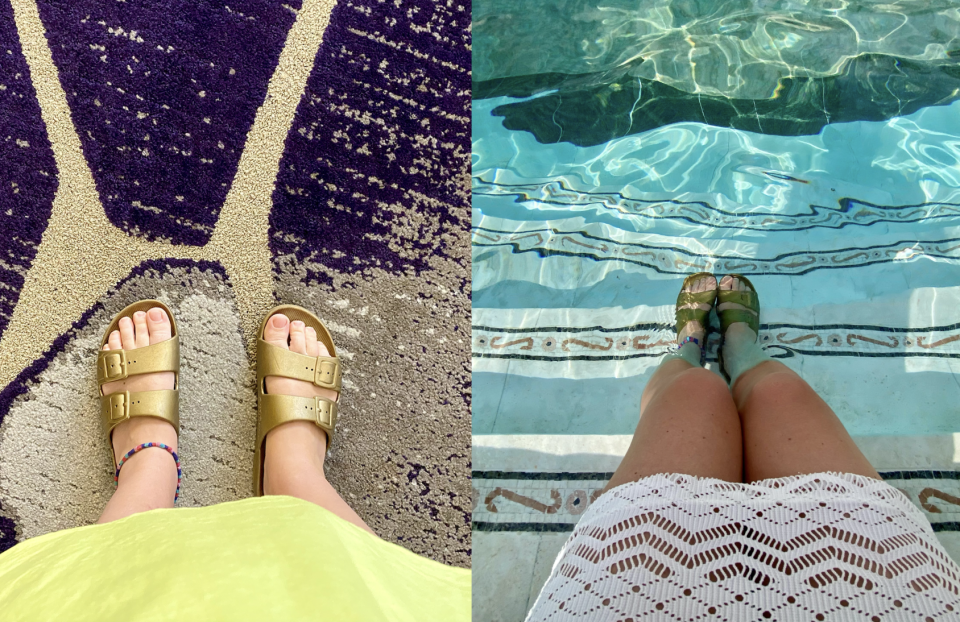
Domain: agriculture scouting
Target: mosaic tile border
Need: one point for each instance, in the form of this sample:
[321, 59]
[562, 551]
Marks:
[520, 501]
[597, 343]
[553, 242]
[850, 211]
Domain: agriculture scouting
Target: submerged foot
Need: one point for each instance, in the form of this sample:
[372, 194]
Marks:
[295, 444]
[736, 330]
[693, 328]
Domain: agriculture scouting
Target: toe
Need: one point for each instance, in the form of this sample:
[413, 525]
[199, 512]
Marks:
[141, 334]
[114, 341]
[159, 325]
[127, 337]
[322, 349]
[312, 348]
[726, 282]
[106, 346]
[298, 337]
[277, 330]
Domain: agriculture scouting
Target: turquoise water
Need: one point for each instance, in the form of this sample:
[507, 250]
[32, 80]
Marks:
[813, 147]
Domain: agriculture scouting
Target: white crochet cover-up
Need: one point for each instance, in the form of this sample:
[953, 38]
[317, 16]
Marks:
[817, 547]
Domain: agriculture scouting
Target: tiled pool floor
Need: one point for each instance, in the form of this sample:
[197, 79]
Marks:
[572, 314]
[617, 149]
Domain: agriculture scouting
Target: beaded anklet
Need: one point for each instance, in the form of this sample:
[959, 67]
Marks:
[116, 477]
[703, 352]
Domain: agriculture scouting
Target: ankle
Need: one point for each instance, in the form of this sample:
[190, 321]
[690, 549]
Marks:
[739, 333]
[140, 430]
[292, 451]
[150, 460]
[150, 474]
[741, 353]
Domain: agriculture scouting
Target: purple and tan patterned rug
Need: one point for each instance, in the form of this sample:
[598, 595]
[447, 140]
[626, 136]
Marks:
[223, 158]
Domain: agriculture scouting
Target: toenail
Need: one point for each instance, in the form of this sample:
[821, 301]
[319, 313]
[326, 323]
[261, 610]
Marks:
[298, 324]
[279, 321]
[139, 314]
[156, 315]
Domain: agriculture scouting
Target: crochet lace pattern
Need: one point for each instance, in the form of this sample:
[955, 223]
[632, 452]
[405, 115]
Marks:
[816, 547]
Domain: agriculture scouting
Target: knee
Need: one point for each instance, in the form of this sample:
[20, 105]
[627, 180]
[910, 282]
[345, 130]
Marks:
[705, 382]
[783, 385]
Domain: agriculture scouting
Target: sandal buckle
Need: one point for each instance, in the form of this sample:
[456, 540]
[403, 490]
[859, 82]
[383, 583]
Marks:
[327, 375]
[113, 366]
[326, 413]
[119, 406]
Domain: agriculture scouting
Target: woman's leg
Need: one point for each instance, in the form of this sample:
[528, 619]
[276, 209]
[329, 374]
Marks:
[295, 451]
[787, 428]
[688, 421]
[148, 479]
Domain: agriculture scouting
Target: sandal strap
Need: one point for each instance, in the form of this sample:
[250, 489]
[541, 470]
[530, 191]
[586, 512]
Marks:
[732, 316]
[278, 409]
[747, 299]
[685, 316]
[113, 365]
[123, 405]
[322, 371]
[686, 298]
[702, 316]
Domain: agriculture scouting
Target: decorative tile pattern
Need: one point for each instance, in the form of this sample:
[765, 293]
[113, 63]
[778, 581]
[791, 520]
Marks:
[849, 211]
[666, 258]
[653, 340]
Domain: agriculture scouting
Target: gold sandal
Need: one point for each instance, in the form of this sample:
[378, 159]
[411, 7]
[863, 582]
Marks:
[322, 371]
[113, 365]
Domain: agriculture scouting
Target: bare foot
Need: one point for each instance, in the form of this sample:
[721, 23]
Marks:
[143, 330]
[299, 440]
[693, 328]
[148, 480]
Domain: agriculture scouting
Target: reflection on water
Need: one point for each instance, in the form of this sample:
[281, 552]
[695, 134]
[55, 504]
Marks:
[812, 146]
[906, 161]
[738, 48]
[871, 87]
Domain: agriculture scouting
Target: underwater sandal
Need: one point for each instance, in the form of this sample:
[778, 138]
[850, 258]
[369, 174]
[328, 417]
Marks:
[750, 300]
[322, 371]
[702, 316]
[113, 365]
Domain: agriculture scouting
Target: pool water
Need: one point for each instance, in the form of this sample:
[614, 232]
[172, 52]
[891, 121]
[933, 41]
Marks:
[813, 147]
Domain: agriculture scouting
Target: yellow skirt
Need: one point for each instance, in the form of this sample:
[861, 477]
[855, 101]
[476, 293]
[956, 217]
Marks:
[264, 559]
